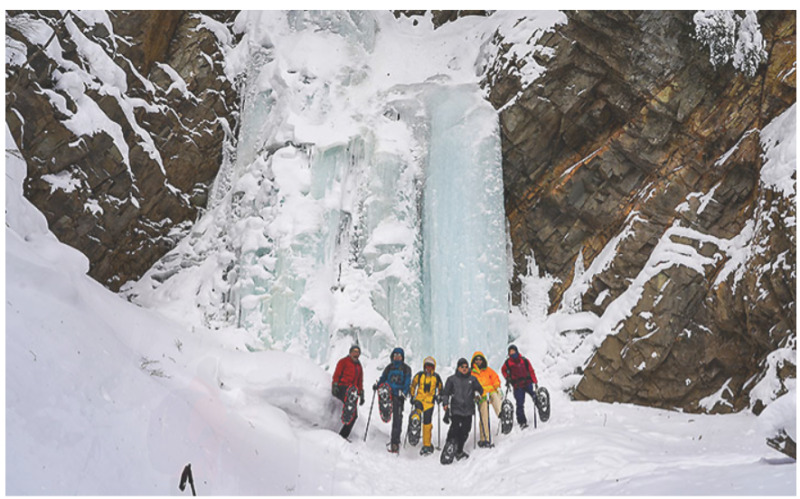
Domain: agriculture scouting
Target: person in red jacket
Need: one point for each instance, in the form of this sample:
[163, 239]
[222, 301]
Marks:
[518, 372]
[349, 373]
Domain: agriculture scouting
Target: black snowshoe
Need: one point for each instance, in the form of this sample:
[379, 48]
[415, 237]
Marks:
[448, 453]
[543, 403]
[385, 402]
[350, 404]
[506, 417]
[414, 427]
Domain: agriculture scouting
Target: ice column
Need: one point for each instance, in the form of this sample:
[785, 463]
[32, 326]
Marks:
[465, 287]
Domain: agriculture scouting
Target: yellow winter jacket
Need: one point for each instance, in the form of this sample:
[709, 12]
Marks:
[424, 387]
[487, 377]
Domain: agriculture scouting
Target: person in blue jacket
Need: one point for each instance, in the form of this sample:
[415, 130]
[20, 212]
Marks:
[398, 375]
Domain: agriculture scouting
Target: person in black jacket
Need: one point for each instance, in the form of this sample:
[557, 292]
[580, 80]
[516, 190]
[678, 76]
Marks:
[458, 399]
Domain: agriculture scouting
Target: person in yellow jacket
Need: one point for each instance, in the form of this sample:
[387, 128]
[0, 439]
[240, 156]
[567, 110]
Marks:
[426, 388]
[492, 394]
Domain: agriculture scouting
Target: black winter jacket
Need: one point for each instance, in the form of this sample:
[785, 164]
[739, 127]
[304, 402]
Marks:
[459, 393]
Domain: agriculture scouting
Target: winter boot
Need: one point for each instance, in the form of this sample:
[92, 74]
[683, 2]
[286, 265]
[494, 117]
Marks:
[426, 450]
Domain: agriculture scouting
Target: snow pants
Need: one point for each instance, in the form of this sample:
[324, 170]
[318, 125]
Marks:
[496, 399]
[397, 418]
[519, 396]
[346, 429]
[427, 427]
[459, 430]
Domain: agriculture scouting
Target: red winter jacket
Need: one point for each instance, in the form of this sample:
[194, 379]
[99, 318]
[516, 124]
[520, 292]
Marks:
[519, 372]
[348, 373]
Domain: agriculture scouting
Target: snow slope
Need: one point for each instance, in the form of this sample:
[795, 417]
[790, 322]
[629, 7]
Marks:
[106, 398]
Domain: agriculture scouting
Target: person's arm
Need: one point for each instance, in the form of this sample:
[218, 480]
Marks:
[382, 378]
[476, 385]
[446, 393]
[407, 384]
[414, 385]
[533, 374]
[495, 380]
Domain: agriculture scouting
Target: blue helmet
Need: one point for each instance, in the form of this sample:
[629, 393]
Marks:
[400, 351]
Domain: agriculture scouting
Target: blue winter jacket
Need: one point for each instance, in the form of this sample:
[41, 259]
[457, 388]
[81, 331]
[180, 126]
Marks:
[397, 374]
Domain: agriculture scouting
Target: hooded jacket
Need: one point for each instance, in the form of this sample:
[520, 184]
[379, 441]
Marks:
[459, 392]
[424, 387]
[518, 371]
[487, 377]
[397, 374]
[348, 373]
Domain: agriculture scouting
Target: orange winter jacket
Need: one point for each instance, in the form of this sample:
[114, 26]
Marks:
[488, 378]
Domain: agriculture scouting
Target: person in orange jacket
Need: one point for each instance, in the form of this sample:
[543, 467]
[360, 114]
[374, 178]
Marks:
[492, 394]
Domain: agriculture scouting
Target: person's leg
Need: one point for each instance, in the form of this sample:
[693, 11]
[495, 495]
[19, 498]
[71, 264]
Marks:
[466, 423]
[427, 427]
[346, 429]
[484, 420]
[519, 396]
[496, 399]
[397, 419]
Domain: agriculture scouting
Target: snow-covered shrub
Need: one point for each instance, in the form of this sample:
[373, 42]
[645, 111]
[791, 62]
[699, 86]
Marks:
[729, 37]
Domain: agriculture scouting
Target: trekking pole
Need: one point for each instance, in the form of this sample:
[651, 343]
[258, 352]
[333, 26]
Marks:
[475, 429]
[489, 421]
[371, 405]
[439, 426]
[535, 410]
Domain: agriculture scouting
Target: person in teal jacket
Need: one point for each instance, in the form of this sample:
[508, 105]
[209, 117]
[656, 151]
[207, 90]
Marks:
[398, 375]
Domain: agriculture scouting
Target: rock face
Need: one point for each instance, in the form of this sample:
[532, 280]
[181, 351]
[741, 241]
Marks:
[632, 172]
[152, 80]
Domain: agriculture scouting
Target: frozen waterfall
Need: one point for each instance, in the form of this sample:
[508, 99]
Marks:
[347, 213]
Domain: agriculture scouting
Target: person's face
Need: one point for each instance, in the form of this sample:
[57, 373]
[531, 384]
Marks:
[398, 356]
[355, 354]
[511, 352]
[479, 362]
[429, 368]
[463, 368]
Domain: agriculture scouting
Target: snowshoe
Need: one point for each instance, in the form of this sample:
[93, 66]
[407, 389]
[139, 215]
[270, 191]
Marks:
[448, 453]
[543, 403]
[506, 417]
[485, 444]
[461, 455]
[385, 402]
[350, 404]
[414, 427]
[426, 450]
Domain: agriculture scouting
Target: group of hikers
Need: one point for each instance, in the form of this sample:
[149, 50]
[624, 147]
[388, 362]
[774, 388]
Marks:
[473, 383]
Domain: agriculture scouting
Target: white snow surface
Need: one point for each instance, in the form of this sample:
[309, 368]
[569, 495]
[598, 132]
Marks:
[106, 398]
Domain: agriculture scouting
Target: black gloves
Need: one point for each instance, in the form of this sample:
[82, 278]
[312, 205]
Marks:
[446, 418]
